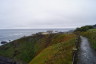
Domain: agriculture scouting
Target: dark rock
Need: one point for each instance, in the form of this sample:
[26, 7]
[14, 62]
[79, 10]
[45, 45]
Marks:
[94, 26]
[4, 60]
[4, 42]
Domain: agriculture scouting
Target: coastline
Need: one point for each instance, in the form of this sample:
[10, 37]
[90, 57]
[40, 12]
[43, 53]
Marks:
[31, 34]
[31, 43]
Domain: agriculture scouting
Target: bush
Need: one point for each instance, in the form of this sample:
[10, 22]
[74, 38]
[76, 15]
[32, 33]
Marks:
[84, 28]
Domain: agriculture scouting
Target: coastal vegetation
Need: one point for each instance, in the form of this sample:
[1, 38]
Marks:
[60, 53]
[88, 31]
[41, 49]
[84, 28]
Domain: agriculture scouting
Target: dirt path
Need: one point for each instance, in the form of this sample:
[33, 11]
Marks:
[86, 55]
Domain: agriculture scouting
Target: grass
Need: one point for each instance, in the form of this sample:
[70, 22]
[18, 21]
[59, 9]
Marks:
[30, 48]
[60, 53]
[91, 35]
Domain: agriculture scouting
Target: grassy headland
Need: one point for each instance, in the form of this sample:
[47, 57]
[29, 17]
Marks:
[41, 49]
[60, 53]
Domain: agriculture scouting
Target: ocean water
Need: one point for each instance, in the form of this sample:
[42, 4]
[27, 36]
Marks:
[13, 34]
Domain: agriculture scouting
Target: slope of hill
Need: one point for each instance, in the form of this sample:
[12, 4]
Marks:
[60, 53]
[33, 47]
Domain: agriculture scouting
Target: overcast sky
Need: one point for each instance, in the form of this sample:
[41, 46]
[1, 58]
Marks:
[46, 13]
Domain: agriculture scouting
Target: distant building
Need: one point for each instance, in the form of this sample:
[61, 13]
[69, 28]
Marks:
[42, 33]
[53, 32]
[45, 33]
[50, 31]
[61, 32]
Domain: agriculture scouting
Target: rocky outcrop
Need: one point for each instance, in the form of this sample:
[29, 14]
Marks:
[94, 26]
[4, 60]
[4, 42]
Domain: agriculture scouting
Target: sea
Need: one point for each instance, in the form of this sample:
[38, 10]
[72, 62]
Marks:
[13, 34]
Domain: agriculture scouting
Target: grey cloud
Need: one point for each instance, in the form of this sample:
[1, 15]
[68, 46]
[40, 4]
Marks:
[46, 13]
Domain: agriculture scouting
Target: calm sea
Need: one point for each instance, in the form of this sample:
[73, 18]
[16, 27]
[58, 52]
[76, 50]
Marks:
[12, 34]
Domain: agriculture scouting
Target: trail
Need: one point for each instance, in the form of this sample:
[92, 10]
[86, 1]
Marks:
[86, 55]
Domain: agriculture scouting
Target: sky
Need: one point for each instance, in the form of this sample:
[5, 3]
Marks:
[32, 14]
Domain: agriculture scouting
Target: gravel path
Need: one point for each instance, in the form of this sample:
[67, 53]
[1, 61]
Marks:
[86, 55]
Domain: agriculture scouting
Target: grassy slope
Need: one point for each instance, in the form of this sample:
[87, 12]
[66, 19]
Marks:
[25, 49]
[60, 53]
[91, 35]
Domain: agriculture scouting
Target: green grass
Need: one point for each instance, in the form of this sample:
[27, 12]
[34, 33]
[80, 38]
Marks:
[91, 35]
[60, 53]
[27, 48]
